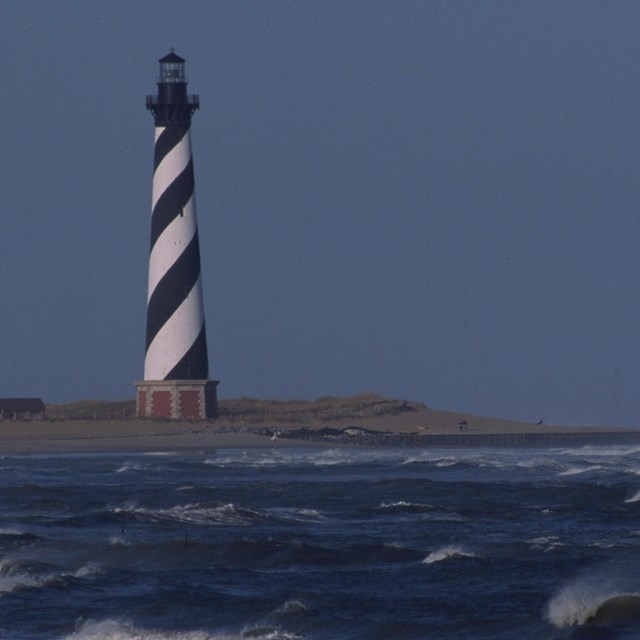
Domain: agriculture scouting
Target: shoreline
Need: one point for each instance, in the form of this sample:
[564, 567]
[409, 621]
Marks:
[201, 437]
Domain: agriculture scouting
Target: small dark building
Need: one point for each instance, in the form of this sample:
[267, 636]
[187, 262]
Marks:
[21, 409]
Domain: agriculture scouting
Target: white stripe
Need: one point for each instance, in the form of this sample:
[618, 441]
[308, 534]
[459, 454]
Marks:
[176, 336]
[170, 245]
[172, 165]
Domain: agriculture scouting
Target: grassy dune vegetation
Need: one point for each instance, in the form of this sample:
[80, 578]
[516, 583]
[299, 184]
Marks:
[366, 410]
[253, 410]
[322, 410]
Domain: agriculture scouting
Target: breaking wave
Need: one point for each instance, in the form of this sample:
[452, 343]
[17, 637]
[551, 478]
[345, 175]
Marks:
[114, 629]
[546, 543]
[18, 575]
[447, 553]
[295, 457]
[195, 514]
[292, 606]
[404, 507]
[580, 469]
[596, 597]
[130, 466]
[635, 497]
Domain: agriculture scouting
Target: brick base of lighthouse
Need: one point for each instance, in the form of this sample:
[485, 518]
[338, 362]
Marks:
[177, 399]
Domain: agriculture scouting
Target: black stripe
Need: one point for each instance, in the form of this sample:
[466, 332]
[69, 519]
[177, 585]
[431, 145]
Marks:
[194, 365]
[173, 288]
[172, 202]
[166, 141]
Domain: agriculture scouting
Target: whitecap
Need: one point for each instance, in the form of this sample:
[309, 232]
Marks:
[430, 458]
[129, 466]
[310, 514]
[546, 543]
[635, 497]
[600, 450]
[577, 470]
[15, 575]
[89, 569]
[292, 606]
[603, 544]
[197, 514]
[542, 540]
[447, 553]
[447, 462]
[113, 629]
[13, 578]
[319, 457]
[534, 463]
[118, 541]
[268, 633]
[334, 457]
[578, 601]
[403, 505]
[395, 545]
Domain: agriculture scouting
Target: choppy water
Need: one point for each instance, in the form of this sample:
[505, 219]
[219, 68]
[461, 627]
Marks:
[338, 544]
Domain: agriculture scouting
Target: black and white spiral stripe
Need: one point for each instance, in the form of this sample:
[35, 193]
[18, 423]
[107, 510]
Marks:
[176, 337]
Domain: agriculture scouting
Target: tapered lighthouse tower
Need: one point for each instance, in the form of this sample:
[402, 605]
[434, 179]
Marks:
[176, 368]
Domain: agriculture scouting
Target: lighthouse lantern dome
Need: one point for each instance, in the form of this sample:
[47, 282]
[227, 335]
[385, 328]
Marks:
[172, 105]
[172, 69]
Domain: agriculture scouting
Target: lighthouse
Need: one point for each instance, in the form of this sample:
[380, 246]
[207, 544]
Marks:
[176, 381]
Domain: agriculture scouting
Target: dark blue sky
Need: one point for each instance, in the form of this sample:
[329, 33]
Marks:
[438, 201]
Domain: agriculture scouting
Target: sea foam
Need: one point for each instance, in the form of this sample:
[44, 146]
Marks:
[113, 629]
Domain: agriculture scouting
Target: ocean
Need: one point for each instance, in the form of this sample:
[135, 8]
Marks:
[326, 544]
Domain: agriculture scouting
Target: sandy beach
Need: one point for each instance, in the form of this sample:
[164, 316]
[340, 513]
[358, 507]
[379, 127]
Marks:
[359, 421]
